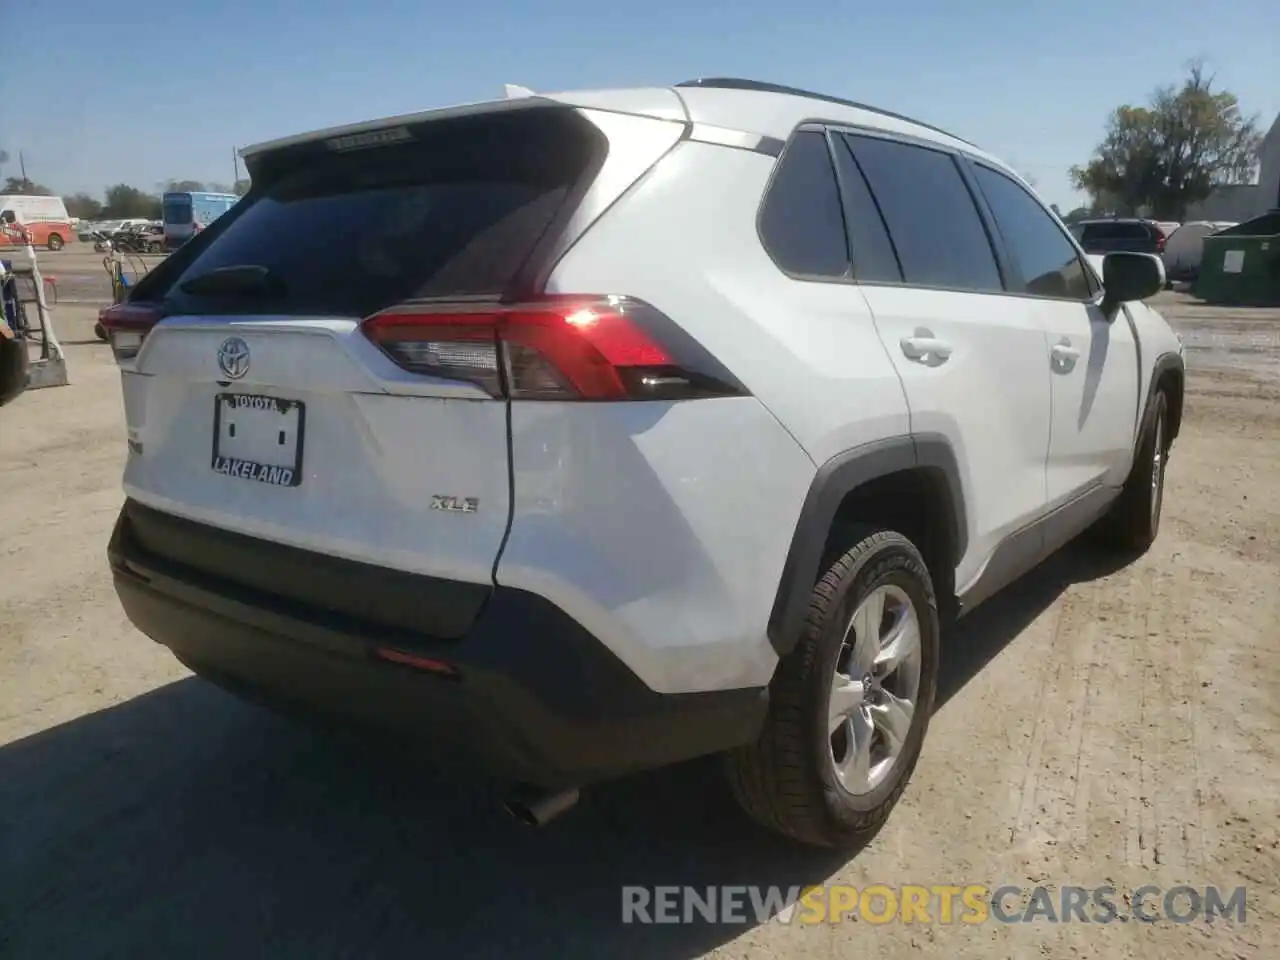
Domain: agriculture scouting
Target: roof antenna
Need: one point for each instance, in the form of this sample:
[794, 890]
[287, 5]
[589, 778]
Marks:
[514, 92]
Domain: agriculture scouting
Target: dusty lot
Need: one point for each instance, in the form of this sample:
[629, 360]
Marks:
[1097, 725]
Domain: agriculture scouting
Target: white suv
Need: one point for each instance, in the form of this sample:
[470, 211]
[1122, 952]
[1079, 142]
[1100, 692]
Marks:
[583, 433]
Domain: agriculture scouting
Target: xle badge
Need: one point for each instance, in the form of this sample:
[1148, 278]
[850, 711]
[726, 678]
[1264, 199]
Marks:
[455, 504]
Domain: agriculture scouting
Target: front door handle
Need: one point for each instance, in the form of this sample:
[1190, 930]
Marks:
[924, 346]
[1064, 356]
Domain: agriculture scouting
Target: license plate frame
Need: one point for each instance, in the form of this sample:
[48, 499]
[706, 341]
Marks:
[273, 475]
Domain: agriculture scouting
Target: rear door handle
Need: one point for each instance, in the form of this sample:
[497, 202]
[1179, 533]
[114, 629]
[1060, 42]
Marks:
[924, 346]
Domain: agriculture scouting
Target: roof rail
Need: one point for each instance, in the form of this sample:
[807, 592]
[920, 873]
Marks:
[760, 86]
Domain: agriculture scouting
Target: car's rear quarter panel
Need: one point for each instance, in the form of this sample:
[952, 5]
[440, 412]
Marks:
[671, 522]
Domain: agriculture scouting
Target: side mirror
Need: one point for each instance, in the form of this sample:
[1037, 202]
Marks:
[9, 216]
[1129, 276]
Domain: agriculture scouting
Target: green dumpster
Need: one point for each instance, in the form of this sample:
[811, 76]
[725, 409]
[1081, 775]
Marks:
[1241, 265]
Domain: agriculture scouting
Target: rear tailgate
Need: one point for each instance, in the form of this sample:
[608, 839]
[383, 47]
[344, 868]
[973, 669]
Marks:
[257, 405]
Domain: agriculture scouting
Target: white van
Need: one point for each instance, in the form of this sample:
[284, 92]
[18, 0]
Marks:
[1185, 246]
[45, 219]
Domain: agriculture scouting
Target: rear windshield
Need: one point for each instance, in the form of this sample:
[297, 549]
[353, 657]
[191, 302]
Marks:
[454, 212]
[1116, 231]
[177, 210]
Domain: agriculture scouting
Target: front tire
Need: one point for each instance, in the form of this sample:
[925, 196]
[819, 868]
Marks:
[849, 706]
[55, 242]
[1133, 522]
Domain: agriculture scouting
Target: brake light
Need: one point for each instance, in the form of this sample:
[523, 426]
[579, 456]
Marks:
[556, 348]
[406, 659]
[1159, 241]
[127, 325]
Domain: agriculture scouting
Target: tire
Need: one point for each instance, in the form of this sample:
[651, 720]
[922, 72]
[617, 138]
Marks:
[1133, 522]
[100, 331]
[54, 242]
[788, 780]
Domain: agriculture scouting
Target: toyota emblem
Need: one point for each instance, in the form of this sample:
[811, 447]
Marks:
[233, 358]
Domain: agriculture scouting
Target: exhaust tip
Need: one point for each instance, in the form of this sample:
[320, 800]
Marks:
[537, 808]
[521, 812]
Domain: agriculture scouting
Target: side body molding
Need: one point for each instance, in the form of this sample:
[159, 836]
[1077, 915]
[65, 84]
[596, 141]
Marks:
[835, 480]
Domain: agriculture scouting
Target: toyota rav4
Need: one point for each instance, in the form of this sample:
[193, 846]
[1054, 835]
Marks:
[578, 434]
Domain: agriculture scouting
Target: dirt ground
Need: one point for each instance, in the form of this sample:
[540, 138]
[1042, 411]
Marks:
[1098, 724]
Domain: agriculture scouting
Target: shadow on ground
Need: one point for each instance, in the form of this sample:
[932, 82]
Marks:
[185, 823]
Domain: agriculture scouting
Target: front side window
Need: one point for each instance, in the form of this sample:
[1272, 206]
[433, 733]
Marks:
[801, 224]
[1049, 263]
[932, 220]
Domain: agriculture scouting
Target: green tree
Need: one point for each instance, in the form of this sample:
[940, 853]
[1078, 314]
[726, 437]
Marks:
[185, 186]
[1162, 157]
[29, 187]
[84, 206]
[126, 201]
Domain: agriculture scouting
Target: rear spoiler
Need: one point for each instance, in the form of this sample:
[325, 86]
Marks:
[370, 130]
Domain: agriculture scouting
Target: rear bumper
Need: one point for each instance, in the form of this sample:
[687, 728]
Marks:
[535, 698]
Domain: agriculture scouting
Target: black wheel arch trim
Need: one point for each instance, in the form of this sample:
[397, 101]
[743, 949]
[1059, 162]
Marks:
[1165, 363]
[835, 480]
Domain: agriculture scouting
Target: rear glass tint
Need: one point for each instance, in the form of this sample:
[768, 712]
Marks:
[1116, 231]
[453, 213]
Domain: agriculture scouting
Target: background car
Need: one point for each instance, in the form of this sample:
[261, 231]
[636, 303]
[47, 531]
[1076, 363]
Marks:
[1121, 234]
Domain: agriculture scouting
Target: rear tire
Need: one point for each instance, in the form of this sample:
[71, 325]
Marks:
[1133, 522]
[805, 777]
[55, 242]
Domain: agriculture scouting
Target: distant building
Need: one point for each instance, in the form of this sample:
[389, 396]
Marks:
[1244, 201]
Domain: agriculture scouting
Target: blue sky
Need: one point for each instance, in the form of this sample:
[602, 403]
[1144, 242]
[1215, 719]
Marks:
[144, 91]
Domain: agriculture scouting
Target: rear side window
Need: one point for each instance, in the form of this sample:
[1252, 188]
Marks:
[801, 225]
[454, 212]
[931, 216]
[1048, 261]
[874, 260]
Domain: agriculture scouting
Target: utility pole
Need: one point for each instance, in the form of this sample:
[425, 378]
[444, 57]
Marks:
[22, 165]
[235, 165]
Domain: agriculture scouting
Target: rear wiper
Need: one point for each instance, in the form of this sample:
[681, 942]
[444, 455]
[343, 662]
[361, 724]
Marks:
[240, 280]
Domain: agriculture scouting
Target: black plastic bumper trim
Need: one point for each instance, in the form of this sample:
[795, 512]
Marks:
[537, 699]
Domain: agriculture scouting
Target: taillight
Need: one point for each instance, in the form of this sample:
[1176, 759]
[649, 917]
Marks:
[1159, 242]
[127, 325]
[556, 348]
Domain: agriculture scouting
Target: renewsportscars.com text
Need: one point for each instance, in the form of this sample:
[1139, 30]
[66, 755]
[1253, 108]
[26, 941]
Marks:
[934, 904]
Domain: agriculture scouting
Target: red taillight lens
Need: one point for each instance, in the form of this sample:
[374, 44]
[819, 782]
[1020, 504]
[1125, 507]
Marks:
[1159, 243]
[609, 348]
[127, 325]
